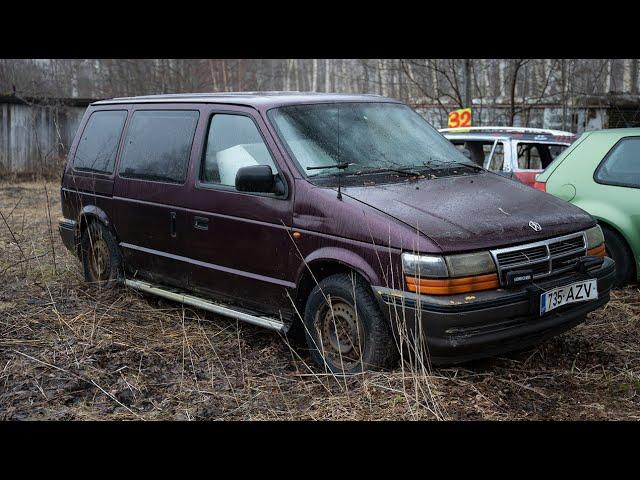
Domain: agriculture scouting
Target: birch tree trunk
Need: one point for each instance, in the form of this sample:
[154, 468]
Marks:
[314, 75]
[327, 87]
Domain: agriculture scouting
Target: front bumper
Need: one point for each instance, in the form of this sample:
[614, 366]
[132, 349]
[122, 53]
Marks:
[68, 233]
[458, 328]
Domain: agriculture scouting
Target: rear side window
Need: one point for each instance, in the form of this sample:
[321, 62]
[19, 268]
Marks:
[537, 156]
[621, 166]
[158, 145]
[98, 145]
[529, 156]
[233, 142]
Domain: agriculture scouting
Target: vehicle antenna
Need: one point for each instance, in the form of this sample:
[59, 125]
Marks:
[339, 166]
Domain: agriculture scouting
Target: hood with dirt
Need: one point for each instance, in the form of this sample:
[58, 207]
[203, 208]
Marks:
[474, 211]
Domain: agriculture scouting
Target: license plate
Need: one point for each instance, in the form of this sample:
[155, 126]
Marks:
[576, 292]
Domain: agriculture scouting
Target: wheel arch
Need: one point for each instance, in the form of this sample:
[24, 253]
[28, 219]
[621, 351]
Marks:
[326, 262]
[90, 214]
[614, 228]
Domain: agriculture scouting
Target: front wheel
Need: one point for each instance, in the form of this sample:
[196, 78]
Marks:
[100, 256]
[345, 329]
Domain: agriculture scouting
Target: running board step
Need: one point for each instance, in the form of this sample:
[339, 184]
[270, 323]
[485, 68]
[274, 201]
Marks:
[177, 296]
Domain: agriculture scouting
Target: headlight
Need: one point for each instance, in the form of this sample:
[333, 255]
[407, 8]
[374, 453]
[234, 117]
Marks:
[595, 242]
[449, 274]
[470, 264]
[424, 266]
[595, 238]
[435, 266]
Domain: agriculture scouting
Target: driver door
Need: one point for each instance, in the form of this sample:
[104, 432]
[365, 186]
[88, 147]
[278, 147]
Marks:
[239, 242]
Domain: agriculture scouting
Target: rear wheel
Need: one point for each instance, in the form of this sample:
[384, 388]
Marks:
[617, 248]
[345, 329]
[100, 256]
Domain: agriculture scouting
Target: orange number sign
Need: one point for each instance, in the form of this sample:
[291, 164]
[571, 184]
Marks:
[460, 118]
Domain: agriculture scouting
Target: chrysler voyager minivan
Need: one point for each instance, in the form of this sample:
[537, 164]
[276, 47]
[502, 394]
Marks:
[345, 217]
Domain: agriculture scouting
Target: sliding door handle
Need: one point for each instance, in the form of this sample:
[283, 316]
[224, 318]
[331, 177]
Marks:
[172, 224]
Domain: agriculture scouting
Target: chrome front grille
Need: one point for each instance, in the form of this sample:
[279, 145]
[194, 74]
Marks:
[522, 256]
[544, 258]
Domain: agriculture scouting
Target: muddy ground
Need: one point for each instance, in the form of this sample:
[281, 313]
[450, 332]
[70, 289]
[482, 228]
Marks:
[70, 351]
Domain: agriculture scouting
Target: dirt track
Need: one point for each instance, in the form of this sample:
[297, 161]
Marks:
[69, 351]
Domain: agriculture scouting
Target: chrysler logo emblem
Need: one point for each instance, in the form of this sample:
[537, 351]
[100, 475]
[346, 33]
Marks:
[535, 225]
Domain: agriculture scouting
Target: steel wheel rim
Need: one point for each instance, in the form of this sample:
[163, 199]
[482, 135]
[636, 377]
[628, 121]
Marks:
[340, 332]
[99, 259]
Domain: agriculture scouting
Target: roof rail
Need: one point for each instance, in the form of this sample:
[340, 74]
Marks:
[204, 95]
[546, 131]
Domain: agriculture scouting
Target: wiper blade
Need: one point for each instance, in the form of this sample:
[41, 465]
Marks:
[405, 172]
[339, 166]
[434, 164]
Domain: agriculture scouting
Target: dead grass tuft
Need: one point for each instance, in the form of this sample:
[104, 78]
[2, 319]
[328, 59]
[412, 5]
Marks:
[70, 351]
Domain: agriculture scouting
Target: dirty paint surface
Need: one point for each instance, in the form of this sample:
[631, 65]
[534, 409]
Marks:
[474, 212]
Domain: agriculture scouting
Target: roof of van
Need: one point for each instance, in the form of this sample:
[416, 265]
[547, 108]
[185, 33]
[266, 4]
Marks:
[254, 99]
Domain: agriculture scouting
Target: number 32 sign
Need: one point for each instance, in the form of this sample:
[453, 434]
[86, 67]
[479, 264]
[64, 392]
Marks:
[460, 118]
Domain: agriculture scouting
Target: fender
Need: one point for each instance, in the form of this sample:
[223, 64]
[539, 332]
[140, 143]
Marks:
[611, 216]
[342, 256]
[92, 211]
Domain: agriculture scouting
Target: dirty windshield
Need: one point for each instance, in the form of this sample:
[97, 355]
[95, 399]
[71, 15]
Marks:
[370, 138]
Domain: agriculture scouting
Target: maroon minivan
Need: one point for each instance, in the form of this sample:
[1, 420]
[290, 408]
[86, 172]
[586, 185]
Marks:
[345, 218]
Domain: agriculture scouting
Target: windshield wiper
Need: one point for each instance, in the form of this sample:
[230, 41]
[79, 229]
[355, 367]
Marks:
[435, 164]
[339, 166]
[406, 172]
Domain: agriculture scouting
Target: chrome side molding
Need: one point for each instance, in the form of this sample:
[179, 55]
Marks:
[266, 322]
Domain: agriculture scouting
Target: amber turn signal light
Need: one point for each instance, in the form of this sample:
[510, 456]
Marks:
[447, 286]
[598, 251]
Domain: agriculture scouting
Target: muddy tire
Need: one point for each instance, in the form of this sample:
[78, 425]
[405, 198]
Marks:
[617, 248]
[101, 258]
[348, 333]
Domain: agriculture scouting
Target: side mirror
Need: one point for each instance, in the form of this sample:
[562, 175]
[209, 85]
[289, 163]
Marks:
[258, 179]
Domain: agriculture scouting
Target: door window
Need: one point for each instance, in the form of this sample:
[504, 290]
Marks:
[621, 166]
[477, 150]
[158, 145]
[537, 156]
[98, 145]
[233, 142]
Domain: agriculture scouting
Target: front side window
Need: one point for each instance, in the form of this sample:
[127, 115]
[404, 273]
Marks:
[233, 142]
[369, 137]
[158, 145]
[98, 145]
[621, 166]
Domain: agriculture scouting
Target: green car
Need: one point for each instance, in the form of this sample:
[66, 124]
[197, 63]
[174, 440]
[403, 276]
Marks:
[600, 173]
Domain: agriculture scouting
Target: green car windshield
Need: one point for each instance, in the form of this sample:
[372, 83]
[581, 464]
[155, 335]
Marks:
[368, 137]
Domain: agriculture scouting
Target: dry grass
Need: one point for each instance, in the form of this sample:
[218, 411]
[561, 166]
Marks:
[70, 351]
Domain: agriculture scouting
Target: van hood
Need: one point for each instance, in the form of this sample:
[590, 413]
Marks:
[473, 212]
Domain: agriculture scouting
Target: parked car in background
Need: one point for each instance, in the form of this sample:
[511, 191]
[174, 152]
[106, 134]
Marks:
[347, 218]
[600, 173]
[514, 152]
